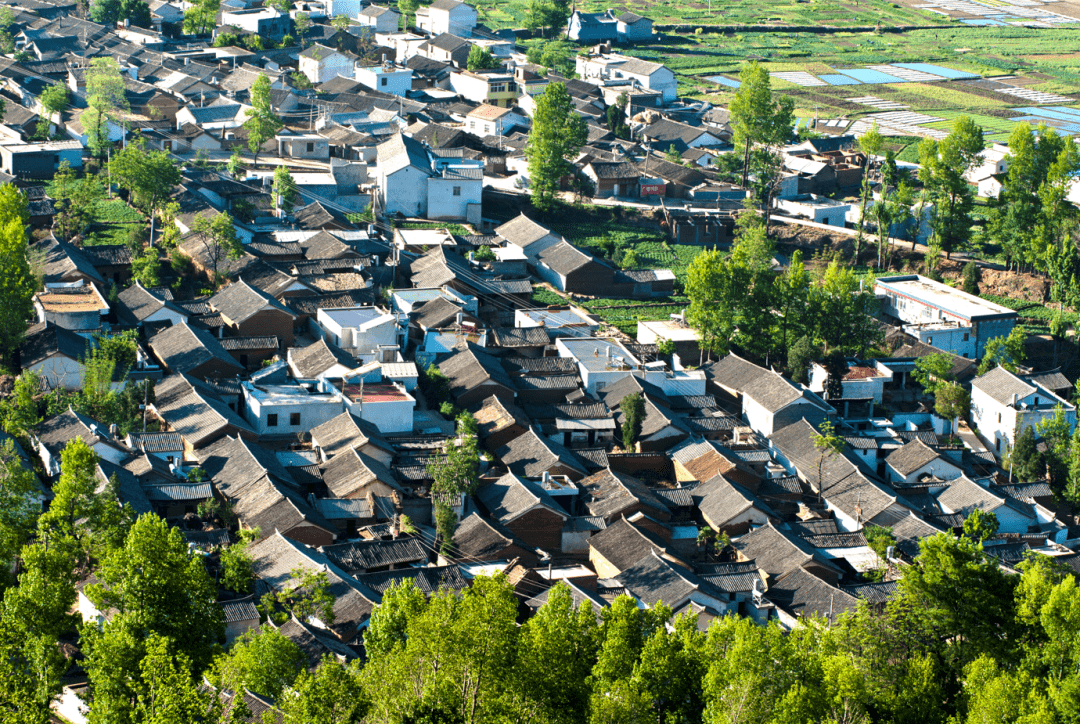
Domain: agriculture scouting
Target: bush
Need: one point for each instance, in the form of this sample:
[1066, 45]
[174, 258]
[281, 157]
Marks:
[971, 278]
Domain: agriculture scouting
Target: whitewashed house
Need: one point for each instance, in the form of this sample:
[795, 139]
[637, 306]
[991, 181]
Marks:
[1003, 404]
[379, 19]
[287, 409]
[320, 64]
[417, 181]
[447, 16]
[359, 331]
[385, 78]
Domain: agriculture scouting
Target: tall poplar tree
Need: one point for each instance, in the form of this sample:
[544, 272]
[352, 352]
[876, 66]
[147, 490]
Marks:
[557, 134]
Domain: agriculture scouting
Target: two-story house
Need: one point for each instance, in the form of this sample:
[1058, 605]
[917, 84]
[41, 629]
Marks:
[1002, 405]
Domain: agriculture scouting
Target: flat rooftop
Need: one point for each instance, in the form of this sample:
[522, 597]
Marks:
[347, 317]
[675, 331]
[943, 297]
[598, 355]
[71, 299]
[375, 393]
[555, 318]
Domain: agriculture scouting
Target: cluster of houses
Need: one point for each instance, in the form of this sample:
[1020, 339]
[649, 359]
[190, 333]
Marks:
[292, 393]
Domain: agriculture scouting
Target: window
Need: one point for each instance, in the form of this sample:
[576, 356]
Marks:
[472, 124]
[929, 340]
[999, 418]
[271, 420]
[311, 148]
[966, 336]
[294, 419]
[1036, 402]
[457, 191]
[384, 81]
[999, 444]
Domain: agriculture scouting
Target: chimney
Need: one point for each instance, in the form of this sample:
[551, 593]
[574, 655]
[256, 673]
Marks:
[609, 352]
[545, 478]
[114, 431]
[1015, 399]
[458, 317]
[187, 60]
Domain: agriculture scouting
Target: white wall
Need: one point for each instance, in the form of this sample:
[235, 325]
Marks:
[405, 191]
[443, 205]
[314, 411]
[939, 468]
[388, 417]
[60, 371]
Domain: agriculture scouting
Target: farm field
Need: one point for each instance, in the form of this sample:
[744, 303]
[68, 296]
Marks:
[513, 14]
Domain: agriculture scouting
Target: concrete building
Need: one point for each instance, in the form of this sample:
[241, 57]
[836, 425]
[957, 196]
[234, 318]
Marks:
[384, 404]
[819, 209]
[39, 160]
[287, 409]
[603, 362]
[386, 78]
[495, 87]
[447, 16]
[1002, 405]
[379, 19]
[320, 64]
[359, 331]
[489, 120]
[420, 182]
[267, 22]
[79, 309]
[944, 317]
[614, 69]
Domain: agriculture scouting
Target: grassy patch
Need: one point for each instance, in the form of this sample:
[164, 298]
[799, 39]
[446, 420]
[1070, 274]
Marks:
[455, 229]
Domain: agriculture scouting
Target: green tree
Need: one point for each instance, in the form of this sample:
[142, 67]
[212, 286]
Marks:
[943, 165]
[547, 14]
[307, 596]
[262, 123]
[980, 527]
[458, 473]
[963, 595]
[802, 354]
[262, 660]
[556, 652]
[16, 279]
[201, 17]
[19, 503]
[402, 603]
[756, 117]
[870, 143]
[149, 176]
[20, 411]
[446, 521]
[836, 368]
[672, 154]
[54, 101]
[829, 445]
[558, 132]
[481, 59]
[157, 586]
[217, 234]
[951, 402]
[110, 12]
[302, 24]
[341, 23]
[237, 569]
[844, 307]
[1056, 433]
[1025, 460]
[285, 190]
[791, 304]
[332, 694]
[714, 297]
[632, 408]
[971, 278]
[105, 100]
[407, 8]
[146, 267]
[1008, 352]
[170, 694]
[933, 371]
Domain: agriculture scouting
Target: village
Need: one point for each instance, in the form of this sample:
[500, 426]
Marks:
[330, 324]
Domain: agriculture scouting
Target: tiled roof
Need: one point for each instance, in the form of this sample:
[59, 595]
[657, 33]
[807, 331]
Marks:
[777, 552]
[428, 580]
[511, 496]
[734, 372]
[532, 455]
[183, 348]
[608, 493]
[653, 579]
[240, 301]
[720, 500]
[194, 410]
[45, 339]
[480, 539]
[911, 457]
[365, 555]
[803, 594]
[622, 544]
[313, 360]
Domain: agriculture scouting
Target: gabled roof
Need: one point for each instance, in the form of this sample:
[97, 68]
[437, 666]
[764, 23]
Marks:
[564, 258]
[480, 539]
[963, 495]
[910, 530]
[653, 580]
[311, 361]
[801, 593]
[523, 231]
[399, 152]
[912, 456]
[532, 455]
[194, 410]
[314, 642]
[510, 497]
[493, 415]
[777, 552]
[57, 431]
[351, 471]
[136, 303]
[608, 493]
[234, 465]
[734, 373]
[45, 339]
[720, 500]
[471, 367]
[64, 262]
[774, 392]
[240, 301]
[183, 348]
[367, 554]
[622, 544]
[344, 432]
